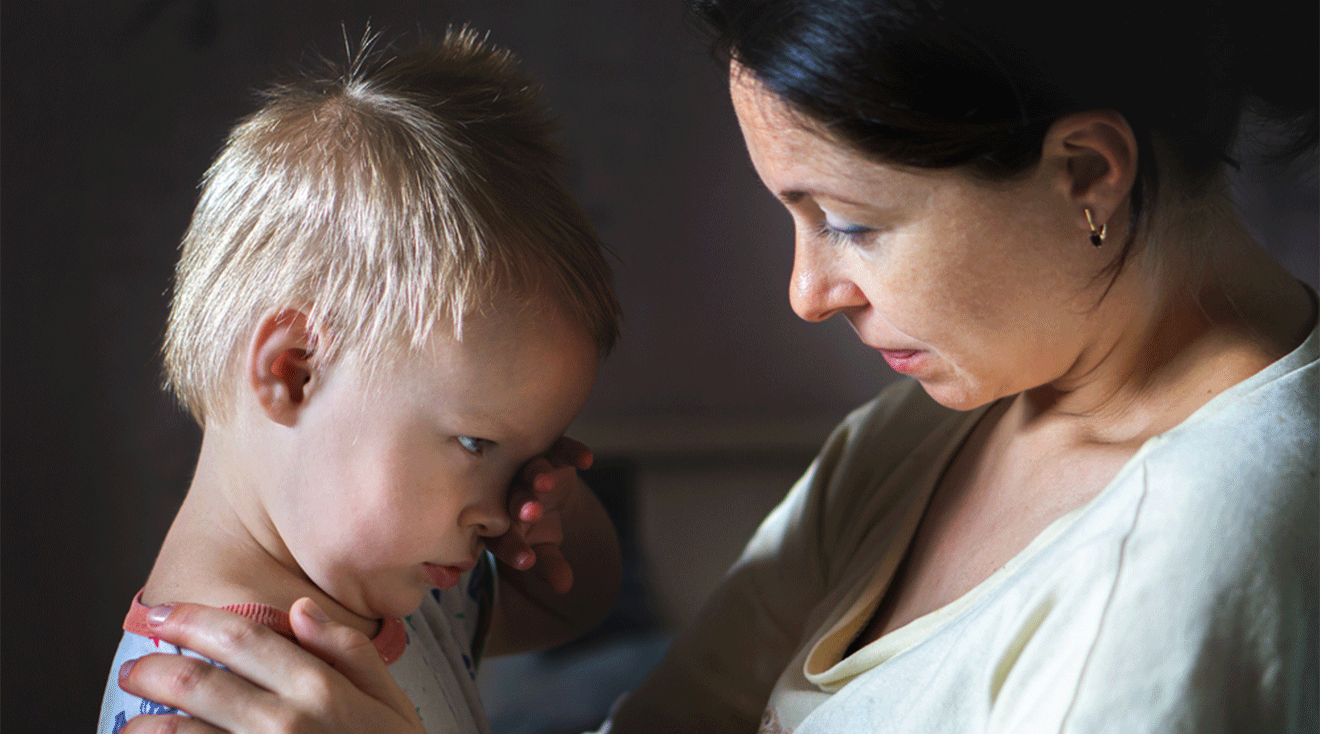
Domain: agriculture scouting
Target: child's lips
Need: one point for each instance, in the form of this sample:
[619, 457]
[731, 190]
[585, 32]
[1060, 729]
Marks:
[447, 576]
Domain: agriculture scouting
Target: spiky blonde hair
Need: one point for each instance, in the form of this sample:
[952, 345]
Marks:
[386, 199]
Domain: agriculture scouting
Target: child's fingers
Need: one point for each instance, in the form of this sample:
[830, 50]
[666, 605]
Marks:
[561, 477]
[572, 452]
[533, 469]
[512, 550]
[553, 567]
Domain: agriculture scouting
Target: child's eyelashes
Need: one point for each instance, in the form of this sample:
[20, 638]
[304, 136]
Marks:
[473, 445]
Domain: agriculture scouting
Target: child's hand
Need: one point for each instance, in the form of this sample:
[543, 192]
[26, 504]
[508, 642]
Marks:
[543, 488]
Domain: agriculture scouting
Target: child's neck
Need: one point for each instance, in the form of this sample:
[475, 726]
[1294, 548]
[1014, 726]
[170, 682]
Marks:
[221, 548]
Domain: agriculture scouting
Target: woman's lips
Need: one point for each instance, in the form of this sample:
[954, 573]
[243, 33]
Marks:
[903, 360]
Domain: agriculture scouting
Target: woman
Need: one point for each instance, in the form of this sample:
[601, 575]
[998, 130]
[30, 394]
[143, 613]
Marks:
[1092, 508]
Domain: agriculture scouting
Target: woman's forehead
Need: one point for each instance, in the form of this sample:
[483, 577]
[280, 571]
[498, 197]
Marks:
[755, 103]
[795, 155]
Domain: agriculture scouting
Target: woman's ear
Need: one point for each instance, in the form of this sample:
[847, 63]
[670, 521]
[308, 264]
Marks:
[1096, 155]
[280, 370]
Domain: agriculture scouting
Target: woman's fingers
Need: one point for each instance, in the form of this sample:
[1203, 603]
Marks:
[556, 479]
[349, 652]
[270, 684]
[150, 724]
[249, 648]
[218, 698]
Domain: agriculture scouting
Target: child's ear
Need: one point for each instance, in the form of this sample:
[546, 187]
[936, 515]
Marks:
[280, 369]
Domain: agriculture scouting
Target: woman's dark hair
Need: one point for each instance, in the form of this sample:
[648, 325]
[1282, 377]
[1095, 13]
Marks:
[976, 83]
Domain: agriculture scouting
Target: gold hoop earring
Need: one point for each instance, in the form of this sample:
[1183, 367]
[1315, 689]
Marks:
[1097, 235]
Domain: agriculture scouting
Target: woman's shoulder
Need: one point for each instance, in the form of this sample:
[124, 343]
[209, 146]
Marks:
[1259, 432]
[1197, 566]
[1237, 484]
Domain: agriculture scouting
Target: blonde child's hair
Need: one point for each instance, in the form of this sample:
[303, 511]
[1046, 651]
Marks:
[387, 199]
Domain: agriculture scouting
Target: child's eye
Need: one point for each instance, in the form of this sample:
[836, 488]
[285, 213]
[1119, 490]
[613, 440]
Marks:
[473, 445]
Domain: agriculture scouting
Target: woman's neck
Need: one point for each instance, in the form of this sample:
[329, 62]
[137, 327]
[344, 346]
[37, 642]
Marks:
[1213, 311]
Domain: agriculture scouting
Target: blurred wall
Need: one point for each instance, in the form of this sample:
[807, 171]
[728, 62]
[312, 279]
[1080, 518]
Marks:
[112, 110]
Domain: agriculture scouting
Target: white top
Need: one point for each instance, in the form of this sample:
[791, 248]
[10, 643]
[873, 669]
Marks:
[1183, 597]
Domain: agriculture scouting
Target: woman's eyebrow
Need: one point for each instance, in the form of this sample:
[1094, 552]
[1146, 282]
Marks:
[793, 196]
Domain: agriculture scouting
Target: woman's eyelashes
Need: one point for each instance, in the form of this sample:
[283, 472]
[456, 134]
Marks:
[839, 232]
[473, 445]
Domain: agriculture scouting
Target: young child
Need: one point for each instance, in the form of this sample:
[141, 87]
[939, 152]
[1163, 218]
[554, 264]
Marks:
[387, 312]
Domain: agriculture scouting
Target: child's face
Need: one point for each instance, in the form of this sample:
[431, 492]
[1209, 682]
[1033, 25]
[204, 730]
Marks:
[398, 481]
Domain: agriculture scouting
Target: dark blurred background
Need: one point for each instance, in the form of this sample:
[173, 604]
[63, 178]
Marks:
[715, 400]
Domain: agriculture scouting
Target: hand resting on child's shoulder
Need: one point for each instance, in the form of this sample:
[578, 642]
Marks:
[335, 682]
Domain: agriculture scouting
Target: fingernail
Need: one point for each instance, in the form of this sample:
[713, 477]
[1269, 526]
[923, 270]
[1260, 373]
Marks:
[531, 512]
[523, 560]
[123, 669]
[313, 611]
[158, 614]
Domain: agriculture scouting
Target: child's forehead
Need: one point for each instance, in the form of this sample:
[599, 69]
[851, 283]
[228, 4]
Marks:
[505, 331]
[506, 320]
[501, 376]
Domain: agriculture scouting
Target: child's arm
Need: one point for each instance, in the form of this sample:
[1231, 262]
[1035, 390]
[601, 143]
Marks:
[559, 564]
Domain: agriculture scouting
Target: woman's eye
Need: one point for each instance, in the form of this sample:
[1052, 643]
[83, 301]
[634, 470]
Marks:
[473, 445]
[853, 235]
[837, 231]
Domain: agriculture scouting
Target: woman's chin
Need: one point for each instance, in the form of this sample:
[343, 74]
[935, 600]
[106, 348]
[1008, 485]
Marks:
[954, 395]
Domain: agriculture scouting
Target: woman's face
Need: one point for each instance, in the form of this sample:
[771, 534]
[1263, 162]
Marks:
[978, 290]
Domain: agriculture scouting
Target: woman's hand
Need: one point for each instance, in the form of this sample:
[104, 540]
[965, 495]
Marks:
[545, 486]
[336, 682]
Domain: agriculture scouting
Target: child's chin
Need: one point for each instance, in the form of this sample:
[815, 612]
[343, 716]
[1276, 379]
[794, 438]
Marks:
[398, 604]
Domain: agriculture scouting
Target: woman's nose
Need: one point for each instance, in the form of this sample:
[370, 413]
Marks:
[489, 517]
[818, 288]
